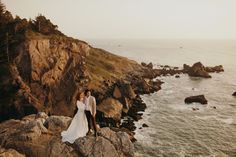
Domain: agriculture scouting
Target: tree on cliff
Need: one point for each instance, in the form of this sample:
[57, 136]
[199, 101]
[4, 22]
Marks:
[5, 16]
[45, 26]
[2, 8]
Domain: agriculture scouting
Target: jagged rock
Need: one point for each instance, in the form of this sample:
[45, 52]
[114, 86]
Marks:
[142, 86]
[117, 93]
[147, 86]
[217, 69]
[198, 70]
[137, 116]
[32, 139]
[93, 147]
[10, 153]
[144, 125]
[122, 129]
[30, 117]
[186, 68]
[108, 143]
[199, 98]
[126, 105]
[128, 91]
[143, 64]
[111, 108]
[149, 65]
[234, 94]
[129, 124]
[195, 108]
[57, 148]
[41, 115]
[57, 123]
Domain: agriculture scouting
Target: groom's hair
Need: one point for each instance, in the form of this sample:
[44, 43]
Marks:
[86, 91]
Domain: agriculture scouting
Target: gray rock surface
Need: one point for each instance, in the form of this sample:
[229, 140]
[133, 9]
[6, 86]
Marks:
[30, 137]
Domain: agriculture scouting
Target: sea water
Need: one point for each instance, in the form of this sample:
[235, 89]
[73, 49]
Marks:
[174, 128]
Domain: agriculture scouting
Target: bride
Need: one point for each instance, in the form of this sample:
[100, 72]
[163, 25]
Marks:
[79, 125]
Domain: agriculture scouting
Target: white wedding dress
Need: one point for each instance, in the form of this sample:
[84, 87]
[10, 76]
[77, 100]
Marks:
[78, 127]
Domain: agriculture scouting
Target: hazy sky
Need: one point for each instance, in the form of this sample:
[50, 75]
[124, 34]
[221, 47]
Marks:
[134, 18]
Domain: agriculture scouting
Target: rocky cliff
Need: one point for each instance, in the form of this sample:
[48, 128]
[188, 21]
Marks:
[44, 75]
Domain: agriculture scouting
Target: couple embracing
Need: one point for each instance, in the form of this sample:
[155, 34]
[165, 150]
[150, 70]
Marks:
[80, 124]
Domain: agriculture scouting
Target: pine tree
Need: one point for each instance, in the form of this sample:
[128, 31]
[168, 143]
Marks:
[2, 8]
[5, 16]
[44, 25]
[2, 11]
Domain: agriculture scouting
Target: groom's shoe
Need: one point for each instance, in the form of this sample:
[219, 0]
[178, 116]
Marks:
[89, 132]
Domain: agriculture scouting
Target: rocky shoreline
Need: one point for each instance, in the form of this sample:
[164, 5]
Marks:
[129, 93]
[32, 133]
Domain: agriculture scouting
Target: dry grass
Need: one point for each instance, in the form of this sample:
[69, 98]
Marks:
[103, 65]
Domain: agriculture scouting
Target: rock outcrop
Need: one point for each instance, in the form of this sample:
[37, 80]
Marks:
[10, 153]
[111, 108]
[107, 144]
[34, 136]
[149, 65]
[234, 94]
[216, 69]
[199, 99]
[199, 70]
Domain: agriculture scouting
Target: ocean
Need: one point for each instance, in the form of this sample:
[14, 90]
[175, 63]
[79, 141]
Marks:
[175, 130]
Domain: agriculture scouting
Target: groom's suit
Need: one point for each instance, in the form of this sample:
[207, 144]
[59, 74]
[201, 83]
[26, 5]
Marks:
[91, 111]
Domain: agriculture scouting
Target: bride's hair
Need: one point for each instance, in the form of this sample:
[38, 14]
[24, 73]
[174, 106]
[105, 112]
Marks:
[79, 94]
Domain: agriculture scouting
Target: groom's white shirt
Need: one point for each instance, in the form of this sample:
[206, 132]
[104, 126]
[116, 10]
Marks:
[91, 105]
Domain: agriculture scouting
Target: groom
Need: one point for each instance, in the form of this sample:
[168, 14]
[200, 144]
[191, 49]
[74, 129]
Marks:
[90, 110]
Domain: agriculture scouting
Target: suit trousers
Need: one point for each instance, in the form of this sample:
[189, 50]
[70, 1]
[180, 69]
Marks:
[91, 118]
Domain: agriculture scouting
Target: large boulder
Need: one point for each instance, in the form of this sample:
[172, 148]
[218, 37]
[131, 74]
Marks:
[107, 144]
[198, 70]
[10, 153]
[111, 108]
[141, 86]
[199, 99]
[57, 123]
[57, 148]
[92, 147]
